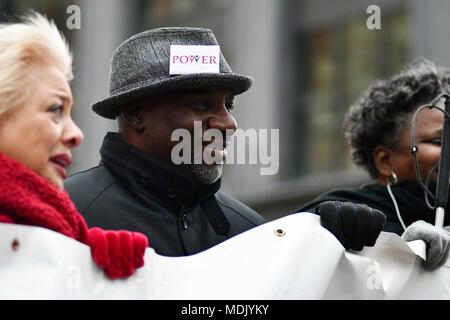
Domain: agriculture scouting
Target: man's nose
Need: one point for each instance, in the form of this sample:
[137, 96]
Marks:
[223, 120]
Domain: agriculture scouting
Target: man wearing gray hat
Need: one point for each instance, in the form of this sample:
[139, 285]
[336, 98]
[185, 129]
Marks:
[162, 80]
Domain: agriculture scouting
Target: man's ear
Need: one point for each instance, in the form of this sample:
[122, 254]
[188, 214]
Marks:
[382, 157]
[133, 116]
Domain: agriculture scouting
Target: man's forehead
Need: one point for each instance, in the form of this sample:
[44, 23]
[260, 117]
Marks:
[171, 97]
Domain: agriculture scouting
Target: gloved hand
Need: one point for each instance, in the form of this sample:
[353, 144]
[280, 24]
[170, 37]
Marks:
[118, 252]
[436, 239]
[354, 225]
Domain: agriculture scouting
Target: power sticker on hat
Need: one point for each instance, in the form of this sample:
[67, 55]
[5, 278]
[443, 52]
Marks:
[187, 59]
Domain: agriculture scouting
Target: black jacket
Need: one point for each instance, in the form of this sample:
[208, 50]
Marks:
[408, 194]
[133, 191]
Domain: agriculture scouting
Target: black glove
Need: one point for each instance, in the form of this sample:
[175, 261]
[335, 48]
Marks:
[354, 225]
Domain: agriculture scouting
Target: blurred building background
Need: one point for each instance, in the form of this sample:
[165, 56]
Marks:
[310, 59]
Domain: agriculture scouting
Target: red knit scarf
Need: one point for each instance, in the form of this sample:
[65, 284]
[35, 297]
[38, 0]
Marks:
[28, 198]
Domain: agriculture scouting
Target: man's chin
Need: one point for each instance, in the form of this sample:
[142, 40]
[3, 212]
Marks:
[206, 173]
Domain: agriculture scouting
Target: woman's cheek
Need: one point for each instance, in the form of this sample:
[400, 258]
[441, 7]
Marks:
[430, 157]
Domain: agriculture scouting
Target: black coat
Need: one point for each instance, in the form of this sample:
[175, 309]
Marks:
[408, 194]
[133, 191]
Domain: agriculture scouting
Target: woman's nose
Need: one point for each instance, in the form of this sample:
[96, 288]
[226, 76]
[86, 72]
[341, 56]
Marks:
[73, 135]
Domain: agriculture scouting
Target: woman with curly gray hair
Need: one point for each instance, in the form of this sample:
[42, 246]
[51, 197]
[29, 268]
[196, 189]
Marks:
[378, 126]
[378, 130]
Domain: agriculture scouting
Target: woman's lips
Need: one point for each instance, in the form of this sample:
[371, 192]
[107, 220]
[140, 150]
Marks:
[61, 161]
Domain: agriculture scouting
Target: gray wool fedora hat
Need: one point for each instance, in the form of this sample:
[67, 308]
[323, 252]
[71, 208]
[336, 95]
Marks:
[140, 69]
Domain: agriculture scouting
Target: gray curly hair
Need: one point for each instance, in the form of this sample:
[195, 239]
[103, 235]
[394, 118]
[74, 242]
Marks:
[382, 113]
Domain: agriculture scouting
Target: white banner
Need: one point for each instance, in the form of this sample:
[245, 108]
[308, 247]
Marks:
[289, 258]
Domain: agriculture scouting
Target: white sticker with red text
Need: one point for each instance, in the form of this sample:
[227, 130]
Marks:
[187, 59]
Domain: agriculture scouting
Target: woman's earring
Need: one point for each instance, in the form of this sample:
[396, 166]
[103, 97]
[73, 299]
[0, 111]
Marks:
[392, 179]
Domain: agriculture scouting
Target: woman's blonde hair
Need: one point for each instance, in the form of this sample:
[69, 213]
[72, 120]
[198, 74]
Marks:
[35, 40]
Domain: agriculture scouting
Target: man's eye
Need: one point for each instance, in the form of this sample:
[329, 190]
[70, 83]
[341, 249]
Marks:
[200, 104]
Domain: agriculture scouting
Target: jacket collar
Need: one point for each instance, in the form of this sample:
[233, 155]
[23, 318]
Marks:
[410, 198]
[146, 173]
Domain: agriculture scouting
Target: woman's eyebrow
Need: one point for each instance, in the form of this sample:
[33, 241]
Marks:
[63, 96]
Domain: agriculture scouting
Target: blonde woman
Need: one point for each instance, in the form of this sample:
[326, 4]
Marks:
[37, 134]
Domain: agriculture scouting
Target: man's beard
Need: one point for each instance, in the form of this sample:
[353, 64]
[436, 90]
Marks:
[202, 173]
[206, 173]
